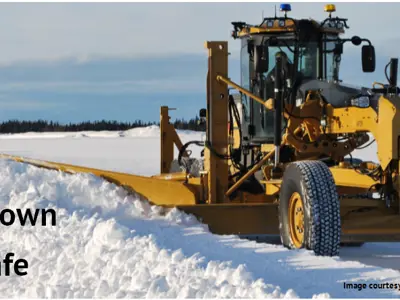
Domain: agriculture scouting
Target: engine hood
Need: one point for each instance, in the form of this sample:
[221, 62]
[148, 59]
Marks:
[337, 94]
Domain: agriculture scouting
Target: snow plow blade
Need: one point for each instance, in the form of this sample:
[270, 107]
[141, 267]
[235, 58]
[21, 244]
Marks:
[175, 190]
[155, 190]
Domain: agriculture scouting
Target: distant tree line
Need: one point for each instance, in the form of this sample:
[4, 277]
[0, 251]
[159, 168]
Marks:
[16, 126]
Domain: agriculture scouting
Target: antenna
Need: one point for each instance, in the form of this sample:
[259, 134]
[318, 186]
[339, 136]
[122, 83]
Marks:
[275, 11]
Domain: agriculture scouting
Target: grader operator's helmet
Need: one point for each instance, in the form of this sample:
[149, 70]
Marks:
[285, 60]
[282, 54]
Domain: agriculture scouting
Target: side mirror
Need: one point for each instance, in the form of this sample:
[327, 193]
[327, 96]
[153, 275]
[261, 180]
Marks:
[368, 58]
[260, 59]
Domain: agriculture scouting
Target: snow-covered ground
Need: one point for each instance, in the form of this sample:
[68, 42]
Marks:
[132, 151]
[109, 244]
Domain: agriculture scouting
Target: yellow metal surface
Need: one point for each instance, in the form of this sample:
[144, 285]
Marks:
[267, 147]
[157, 191]
[168, 138]
[236, 136]
[249, 173]
[260, 219]
[245, 197]
[348, 204]
[351, 119]
[167, 143]
[272, 189]
[276, 28]
[288, 27]
[388, 130]
[173, 176]
[270, 104]
[385, 127]
[305, 133]
[296, 220]
[334, 149]
[217, 169]
[272, 186]
[371, 222]
[351, 178]
[229, 218]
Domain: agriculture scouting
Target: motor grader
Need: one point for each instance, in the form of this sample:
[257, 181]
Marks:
[277, 155]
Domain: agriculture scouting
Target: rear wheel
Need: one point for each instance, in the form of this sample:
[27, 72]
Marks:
[309, 211]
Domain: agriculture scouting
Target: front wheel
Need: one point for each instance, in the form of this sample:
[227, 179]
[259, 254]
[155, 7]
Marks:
[309, 209]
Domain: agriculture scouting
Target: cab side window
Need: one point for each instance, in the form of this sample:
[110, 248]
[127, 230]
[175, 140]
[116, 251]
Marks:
[245, 79]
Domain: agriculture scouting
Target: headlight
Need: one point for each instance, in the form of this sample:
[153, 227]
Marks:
[362, 101]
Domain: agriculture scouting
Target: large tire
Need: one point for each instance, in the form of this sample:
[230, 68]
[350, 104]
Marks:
[309, 209]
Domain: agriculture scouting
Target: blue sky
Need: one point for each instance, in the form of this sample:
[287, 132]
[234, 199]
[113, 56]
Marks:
[71, 62]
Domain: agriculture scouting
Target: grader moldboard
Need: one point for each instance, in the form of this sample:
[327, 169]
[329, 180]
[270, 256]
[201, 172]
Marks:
[277, 156]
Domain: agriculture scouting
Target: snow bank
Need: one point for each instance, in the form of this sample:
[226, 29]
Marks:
[107, 244]
[150, 131]
[139, 132]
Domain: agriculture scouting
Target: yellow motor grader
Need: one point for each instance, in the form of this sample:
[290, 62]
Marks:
[277, 156]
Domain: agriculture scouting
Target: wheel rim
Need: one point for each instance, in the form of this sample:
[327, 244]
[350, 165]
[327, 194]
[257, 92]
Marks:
[296, 220]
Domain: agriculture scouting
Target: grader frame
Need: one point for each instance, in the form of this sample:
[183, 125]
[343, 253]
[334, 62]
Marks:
[211, 196]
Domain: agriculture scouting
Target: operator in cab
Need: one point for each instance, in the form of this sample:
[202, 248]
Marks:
[287, 74]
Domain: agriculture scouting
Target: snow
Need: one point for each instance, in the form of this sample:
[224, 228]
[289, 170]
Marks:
[132, 151]
[150, 131]
[110, 244]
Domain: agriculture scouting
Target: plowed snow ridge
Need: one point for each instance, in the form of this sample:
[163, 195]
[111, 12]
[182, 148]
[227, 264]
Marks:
[105, 244]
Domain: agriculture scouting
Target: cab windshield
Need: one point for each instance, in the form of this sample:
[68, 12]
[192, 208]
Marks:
[308, 60]
[307, 63]
[304, 66]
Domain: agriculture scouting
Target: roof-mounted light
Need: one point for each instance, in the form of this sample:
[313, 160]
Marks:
[330, 8]
[285, 7]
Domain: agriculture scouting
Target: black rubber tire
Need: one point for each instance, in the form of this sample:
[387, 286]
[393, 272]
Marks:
[322, 227]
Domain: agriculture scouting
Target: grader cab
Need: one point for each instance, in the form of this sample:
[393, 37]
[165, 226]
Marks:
[277, 156]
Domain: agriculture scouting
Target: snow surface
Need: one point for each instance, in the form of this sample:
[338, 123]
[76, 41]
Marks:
[132, 151]
[110, 244]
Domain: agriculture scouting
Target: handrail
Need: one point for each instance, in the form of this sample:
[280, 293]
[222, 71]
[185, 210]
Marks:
[268, 104]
